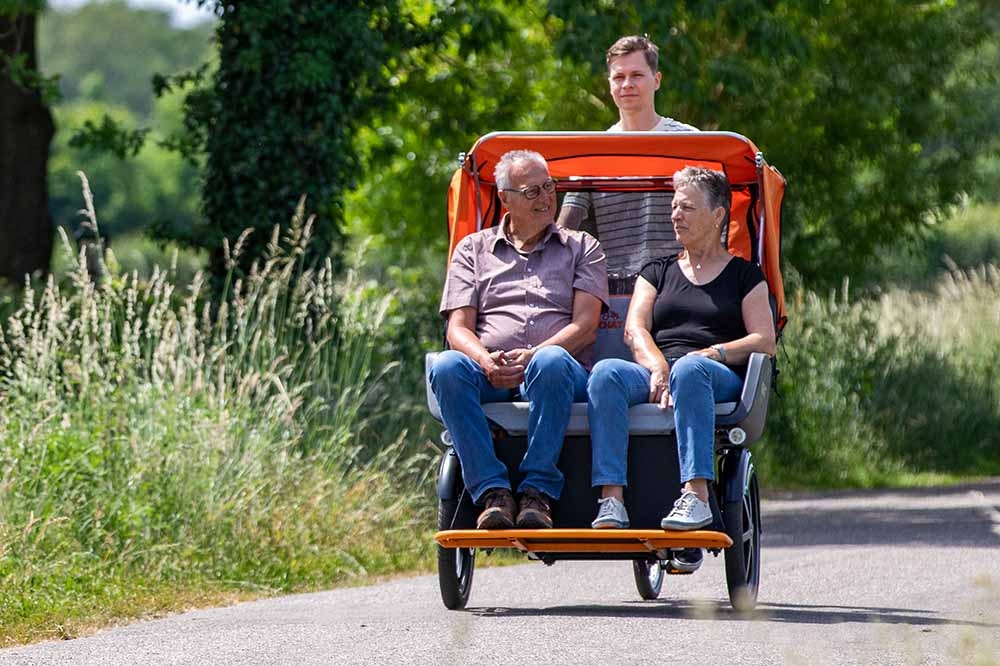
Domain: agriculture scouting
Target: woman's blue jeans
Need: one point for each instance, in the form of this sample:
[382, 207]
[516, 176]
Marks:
[553, 381]
[696, 383]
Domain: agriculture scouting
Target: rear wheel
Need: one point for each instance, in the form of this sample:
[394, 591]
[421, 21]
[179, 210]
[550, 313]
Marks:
[742, 519]
[455, 565]
[648, 578]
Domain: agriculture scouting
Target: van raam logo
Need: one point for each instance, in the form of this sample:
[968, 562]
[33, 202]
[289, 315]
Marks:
[611, 319]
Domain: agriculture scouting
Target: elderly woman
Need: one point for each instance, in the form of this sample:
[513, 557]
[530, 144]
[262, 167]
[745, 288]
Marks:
[693, 321]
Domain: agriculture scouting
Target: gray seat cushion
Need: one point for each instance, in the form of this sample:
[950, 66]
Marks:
[647, 419]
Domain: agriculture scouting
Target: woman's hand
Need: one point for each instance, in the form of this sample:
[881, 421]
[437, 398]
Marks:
[659, 386]
[708, 352]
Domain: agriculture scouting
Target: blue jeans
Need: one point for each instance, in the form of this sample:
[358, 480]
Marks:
[696, 383]
[553, 380]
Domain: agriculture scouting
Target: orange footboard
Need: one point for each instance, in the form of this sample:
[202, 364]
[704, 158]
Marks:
[583, 540]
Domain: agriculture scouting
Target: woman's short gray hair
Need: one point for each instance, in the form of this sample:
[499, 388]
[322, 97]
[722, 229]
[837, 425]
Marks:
[501, 174]
[713, 184]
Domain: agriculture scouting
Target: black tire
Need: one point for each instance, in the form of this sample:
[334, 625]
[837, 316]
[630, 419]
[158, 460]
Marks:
[455, 565]
[742, 519]
[648, 578]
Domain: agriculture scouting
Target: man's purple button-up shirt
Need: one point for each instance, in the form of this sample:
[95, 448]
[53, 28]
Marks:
[522, 299]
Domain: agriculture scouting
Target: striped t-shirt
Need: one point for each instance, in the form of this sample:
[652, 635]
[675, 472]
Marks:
[633, 227]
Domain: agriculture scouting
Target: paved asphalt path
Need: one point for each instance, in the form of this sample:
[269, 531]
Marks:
[891, 577]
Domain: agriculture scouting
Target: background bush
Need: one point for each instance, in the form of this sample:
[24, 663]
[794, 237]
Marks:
[890, 388]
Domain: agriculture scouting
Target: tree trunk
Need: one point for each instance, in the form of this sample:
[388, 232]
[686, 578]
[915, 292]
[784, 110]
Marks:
[26, 128]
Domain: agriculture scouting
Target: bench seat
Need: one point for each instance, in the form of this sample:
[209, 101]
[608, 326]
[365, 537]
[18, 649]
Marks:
[646, 419]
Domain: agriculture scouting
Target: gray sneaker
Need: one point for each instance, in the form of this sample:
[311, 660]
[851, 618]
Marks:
[611, 514]
[689, 513]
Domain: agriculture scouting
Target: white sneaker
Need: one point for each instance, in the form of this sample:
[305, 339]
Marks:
[611, 514]
[689, 513]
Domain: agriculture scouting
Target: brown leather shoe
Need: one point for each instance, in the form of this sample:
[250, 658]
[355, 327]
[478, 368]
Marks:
[536, 512]
[499, 511]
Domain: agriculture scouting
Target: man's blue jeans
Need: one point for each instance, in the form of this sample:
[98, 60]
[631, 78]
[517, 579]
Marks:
[696, 383]
[553, 381]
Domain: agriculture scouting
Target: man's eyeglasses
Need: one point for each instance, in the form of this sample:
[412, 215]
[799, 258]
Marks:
[533, 191]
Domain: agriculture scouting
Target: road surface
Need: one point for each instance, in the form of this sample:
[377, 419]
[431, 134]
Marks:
[867, 577]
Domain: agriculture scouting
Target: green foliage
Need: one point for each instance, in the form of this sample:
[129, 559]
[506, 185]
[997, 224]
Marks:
[107, 54]
[495, 71]
[968, 237]
[15, 7]
[295, 83]
[189, 139]
[857, 103]
[851, 101]
[18, 69]
[109, 135]
[989, 173]
[110, 52]
[156, 186]
[980, 75]
[817, 433]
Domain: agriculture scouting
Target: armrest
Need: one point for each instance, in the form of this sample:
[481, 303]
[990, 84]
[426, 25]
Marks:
[751, 411]
[432, 403]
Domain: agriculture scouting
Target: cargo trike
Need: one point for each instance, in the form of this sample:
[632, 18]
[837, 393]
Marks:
[638, 162]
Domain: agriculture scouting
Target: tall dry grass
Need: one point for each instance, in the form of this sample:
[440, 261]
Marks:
[152, 436]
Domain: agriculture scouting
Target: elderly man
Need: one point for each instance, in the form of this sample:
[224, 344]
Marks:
[522, 300]
[634, 227]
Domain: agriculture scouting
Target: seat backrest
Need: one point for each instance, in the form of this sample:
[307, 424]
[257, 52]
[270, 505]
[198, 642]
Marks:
[611, 330]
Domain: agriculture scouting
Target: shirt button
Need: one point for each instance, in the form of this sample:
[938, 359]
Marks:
[529, 346]
[532, 322]
[529, 270]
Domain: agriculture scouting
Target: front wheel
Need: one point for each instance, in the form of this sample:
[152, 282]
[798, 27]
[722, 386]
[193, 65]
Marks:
[455, 565]
[648, 578]
[742, 519]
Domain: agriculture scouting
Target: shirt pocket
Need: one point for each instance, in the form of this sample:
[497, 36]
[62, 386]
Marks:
[553, 296]
[501, 286]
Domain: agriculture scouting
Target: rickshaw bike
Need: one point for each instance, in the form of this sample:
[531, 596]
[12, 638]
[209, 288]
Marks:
[624, 162]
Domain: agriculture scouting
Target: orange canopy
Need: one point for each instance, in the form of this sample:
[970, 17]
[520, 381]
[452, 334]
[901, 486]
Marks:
[758, 188]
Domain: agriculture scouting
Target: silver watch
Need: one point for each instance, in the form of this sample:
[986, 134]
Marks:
[722, 352]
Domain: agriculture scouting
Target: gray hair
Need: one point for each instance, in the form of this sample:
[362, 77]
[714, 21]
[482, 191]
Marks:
[501, 174]
[713, 184]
